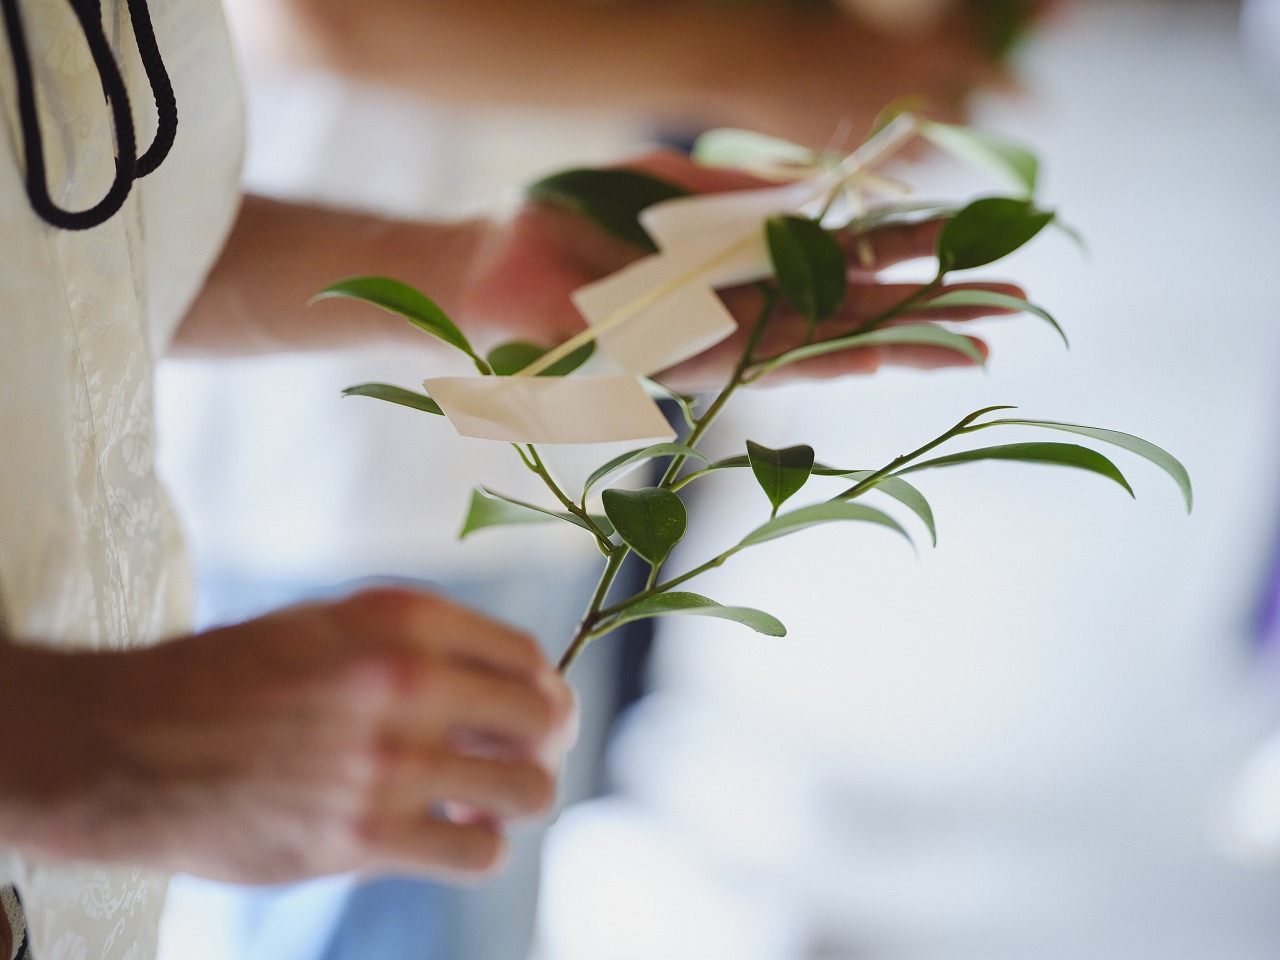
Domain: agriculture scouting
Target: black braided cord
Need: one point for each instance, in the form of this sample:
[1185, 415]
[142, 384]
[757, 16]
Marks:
[129, 167]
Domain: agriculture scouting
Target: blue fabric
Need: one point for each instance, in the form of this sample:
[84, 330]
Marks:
[394, 918]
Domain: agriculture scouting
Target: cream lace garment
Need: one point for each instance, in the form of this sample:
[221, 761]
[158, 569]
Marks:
[89, 552]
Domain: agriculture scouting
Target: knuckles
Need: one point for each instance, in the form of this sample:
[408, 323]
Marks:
[393, 610]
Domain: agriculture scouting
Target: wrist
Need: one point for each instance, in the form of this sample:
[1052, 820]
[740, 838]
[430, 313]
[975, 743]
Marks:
[45, 756]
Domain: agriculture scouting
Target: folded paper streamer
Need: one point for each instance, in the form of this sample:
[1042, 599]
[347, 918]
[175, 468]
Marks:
[648, 316]
[550, 409]
[667, 303]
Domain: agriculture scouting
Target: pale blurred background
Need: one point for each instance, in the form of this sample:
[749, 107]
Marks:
[1026, 743]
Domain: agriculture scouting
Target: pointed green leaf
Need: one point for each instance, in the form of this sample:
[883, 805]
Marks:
[612, 199]
[1002, 157]
[403, 300]
[796, 520]
[780, 473]
[1143, 448]
[987, 230]
[989, 298]
[636, 456]
[1058, 454]
[809, 264]
[650, 521]
[969, 418]
[490, 509]
[729, 147]
[927, 334]
[691, 603]
[393, 394]
[510, 358]
[1074, 235]
[904, 493]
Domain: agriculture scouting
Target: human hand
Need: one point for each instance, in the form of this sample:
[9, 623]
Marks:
[527, 268]
[319, 739]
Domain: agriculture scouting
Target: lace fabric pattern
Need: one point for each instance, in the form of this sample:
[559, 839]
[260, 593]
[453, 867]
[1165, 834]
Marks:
[90, 552]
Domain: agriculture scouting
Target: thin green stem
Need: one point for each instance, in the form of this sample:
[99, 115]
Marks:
[862, 486]
[523, 457]
[767, 365]
[708, 417]
[657, 588]
[534, 463]
[593, 613]
[653, 576]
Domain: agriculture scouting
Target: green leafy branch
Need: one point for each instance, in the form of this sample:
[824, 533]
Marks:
[810, 279]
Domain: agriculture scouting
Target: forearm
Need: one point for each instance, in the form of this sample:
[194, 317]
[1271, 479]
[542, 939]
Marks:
[671, 60]
[279, 255]
[45, 756]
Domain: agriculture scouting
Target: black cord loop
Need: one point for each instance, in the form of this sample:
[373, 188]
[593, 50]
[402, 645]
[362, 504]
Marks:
[129, 166]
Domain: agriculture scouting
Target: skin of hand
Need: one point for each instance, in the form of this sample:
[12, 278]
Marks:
[319, 739]
[511, 277]
[530, 266]
[804, 72]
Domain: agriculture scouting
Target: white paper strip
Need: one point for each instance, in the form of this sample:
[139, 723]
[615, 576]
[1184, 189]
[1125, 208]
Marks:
[707, 241]
[678, 326]
[711, 222]
[572, 409]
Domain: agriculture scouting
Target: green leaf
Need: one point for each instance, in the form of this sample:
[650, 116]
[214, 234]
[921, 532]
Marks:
[1003, 23]
[611, 199]
[911, 103]
[809, 264]
[796, 520]
[650, 521]
[402, 300]
[905, 213]
[1000, 156]
[393, 394]
[491, 509]
[635, 456]
[987, 230]
[1059, 454]
[927, 334]
[904, 493]
[691, 603]
[1143, 448]
[780, 473]
[989, 298]
[729, 147]
[510, 358]
[1072, 234]
[661, 392]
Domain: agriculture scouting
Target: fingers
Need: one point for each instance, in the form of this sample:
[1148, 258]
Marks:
[439, 848]
[865, 302]
[429, 624]
[873, 250]
[439, 699]
[427, 779]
